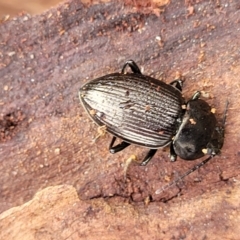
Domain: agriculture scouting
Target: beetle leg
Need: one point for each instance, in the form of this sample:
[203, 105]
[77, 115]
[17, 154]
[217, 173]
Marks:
[196, 95]
[177, 84]
[148, 157]
[134, 67]
[173, 155]
[119, 147]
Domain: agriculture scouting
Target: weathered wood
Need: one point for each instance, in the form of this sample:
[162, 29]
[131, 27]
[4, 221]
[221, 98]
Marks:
[57, 213]
[46, 137]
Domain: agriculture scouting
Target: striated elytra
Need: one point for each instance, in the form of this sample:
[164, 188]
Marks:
[145, 111]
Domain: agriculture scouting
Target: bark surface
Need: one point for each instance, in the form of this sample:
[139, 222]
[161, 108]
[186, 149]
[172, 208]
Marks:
[46, 138]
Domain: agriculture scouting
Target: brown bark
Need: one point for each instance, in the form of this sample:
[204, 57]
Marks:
[46, 137]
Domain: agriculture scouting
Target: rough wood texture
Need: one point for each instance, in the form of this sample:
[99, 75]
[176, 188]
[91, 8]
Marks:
[57, 213]
[46, 137]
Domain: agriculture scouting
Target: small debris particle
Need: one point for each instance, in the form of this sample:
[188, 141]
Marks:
[32, 56]
[38, 153]
[204, 150]
[210, 27]
[192, 121]
[184, 106]
[190, 10]
[61, 32]
[167, 178]
[25, 18]
[91, 19]
[23, 40]
[10, 54]
[201, 57]
[196, 23]
[100, 114]
[5, 18]
[30, 120]
[205, 94]
[159, 41]
[92, 112]
[102, 129]
[161, 132]
[5, 88]
[57, 151]
[147, 200]
[213, 110]
[178, 75]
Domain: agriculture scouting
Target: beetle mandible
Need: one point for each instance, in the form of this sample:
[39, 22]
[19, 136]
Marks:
[145, 111]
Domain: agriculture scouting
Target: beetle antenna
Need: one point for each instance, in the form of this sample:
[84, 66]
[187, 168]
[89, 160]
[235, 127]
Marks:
[225, 113]
[184, 175]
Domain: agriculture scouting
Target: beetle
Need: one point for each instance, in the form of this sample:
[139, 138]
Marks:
[145, 111]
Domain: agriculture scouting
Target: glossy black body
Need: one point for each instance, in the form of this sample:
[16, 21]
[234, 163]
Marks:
[196, 130]
[145, 111]
[136, 108]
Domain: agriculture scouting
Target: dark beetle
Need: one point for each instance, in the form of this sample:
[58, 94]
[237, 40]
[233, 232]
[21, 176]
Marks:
[145, 111]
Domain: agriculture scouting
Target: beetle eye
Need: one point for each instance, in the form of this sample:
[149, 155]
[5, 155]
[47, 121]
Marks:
[189, 149]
